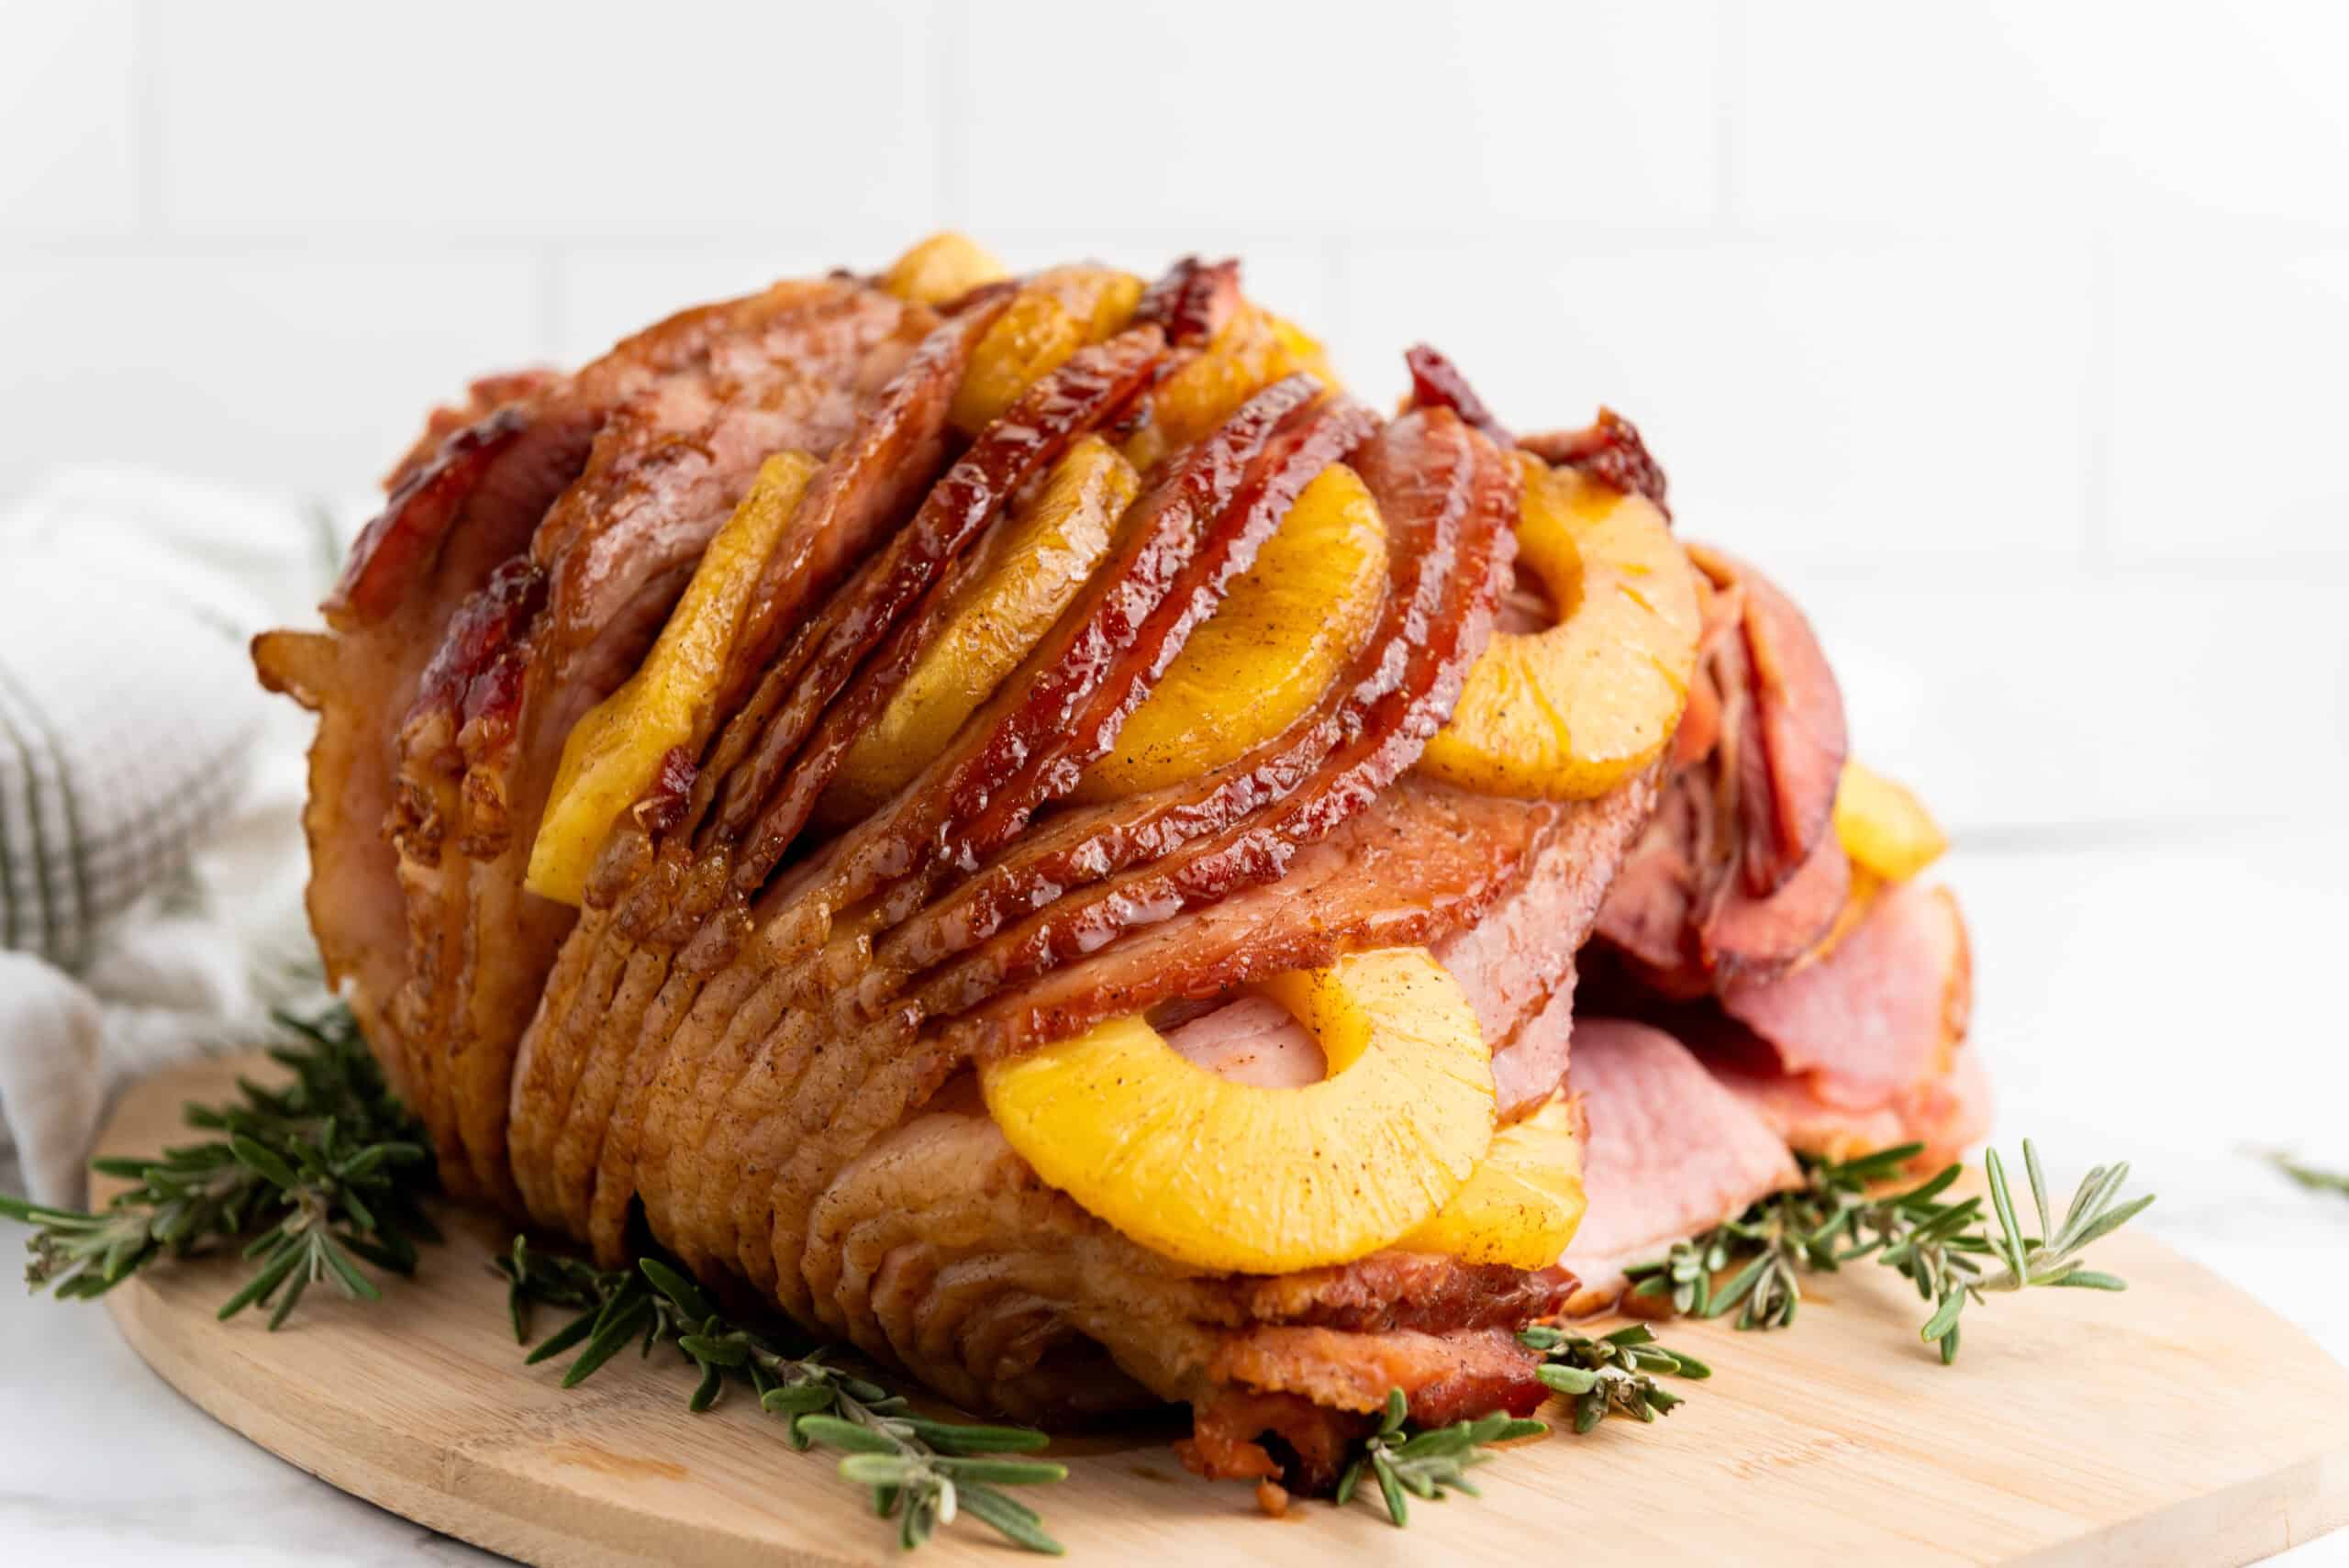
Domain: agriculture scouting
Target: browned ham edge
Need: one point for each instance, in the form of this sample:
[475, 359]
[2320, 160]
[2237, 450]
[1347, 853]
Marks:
[1425, 466]
[876, 475]
[1083, 847]
[689, 893]
[1058, 712]
[1033, 736]
[1436, 383]
[1739, 875]
[1610, 451]
[1088, 392]
[682, 888]
[1423, 862]
[698, 403]
[1192, 301]
[1789, 752]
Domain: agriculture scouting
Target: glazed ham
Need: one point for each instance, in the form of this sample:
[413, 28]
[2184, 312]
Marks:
[1881, 1012]
[762, 1032]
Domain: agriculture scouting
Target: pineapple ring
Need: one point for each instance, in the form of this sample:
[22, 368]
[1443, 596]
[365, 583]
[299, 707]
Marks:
[1055, 313]
[1271, 647]
[1525, 1201]
[615, 749]
[1047, 550]
[1228, 1177]
[1883, 826]
[1572, 712]
[940, 269]
[1247, 354]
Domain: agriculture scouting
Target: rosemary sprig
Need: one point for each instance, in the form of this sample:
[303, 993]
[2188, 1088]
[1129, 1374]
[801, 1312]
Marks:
[2315, 1178]
[329, 1168]
[923, 1472]
[1946, 1249]
[1611, 1373]
[1425, 1464]
[1601, 1375]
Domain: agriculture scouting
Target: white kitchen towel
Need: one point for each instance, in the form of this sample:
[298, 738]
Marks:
[150, 858]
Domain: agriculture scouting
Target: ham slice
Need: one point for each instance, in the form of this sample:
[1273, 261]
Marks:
[1253, 1040]
[1671, 1151]
[1881, 1013]
[1947, 1115]
[1516, 964]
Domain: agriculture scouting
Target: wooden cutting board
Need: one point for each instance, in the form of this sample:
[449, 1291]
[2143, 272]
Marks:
[2180, 1423]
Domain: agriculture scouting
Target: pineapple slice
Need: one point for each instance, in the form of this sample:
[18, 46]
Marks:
[612, 753]
[1883, 826]
[1524, 1202]
[1055, 313]
[1573, 711]
[1270, 650]
[1224, 1175]
[1254, 350]
[1045, 552]
[941, 268]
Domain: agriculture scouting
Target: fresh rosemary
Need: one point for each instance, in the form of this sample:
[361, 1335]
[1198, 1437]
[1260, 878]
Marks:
[1943, 1248]
[329, 1168]
[1611, 1373]
[2315, 1178]
[332, 1168]
[923, 1472]
[1602, 1376]
[1425, 1464]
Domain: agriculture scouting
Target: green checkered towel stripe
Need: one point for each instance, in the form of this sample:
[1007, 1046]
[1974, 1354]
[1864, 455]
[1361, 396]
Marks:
[126, 718]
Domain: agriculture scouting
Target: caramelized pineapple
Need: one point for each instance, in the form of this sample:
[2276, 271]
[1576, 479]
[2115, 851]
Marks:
[941, 268]
[1034, 566]
[1272, 647]
[1224, 1175]
[1883, 826]
[1524, 1202]
[1056, 313]
[1573, 711]
[613, 752]
[1251, 351]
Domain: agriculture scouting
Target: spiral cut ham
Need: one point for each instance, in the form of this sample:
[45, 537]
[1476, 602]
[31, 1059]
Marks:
[759, 1035]
[1824, 1011]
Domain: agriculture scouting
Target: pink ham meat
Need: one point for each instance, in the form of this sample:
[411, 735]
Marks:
[1881, 1013]
[1255, 1042]
[1948, 1115]
[1671, 1151]
[1516, 964]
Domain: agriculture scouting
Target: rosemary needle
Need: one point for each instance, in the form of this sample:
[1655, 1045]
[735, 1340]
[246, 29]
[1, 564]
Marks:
[1603, 1376]
[328, 1169]
[1952, 1251]
[921, 1471]
[2315, 1178]
[332, 1168]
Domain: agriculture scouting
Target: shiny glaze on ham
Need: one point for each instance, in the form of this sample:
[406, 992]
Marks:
[762, 1039]
[1081, 848]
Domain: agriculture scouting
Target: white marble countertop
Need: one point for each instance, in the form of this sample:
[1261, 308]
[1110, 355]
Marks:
[2164, 998]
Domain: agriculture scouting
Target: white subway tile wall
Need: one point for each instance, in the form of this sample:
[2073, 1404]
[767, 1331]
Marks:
[2010, 334]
